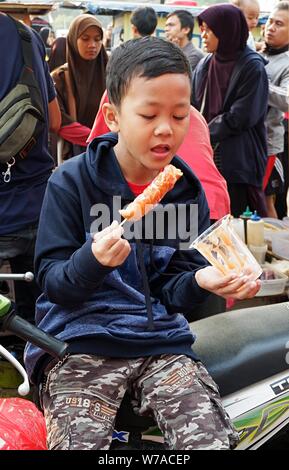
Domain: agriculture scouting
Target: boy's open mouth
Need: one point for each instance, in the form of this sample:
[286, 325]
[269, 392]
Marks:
[161, 149]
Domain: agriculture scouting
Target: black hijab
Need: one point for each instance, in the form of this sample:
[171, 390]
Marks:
[229, 25]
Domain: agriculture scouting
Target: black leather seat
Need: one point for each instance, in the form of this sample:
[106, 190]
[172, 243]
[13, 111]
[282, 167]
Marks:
[244, 346]
[239, 348]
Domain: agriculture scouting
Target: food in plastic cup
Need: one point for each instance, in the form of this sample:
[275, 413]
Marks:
[225, 250]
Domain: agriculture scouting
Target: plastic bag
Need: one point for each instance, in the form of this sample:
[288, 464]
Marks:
[22, 425]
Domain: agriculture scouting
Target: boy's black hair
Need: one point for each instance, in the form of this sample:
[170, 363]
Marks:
[145, 20]
[186, 20]
[148, 57]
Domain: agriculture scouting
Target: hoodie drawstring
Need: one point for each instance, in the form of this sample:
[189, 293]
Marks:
[147, 294]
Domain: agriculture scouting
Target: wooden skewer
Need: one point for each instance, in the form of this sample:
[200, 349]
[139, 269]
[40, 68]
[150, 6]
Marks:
[121, 224]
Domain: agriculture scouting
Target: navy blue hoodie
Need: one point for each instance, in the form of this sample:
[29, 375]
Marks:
[106, 311]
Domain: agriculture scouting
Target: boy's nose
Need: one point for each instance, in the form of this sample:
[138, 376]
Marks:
[163, 129]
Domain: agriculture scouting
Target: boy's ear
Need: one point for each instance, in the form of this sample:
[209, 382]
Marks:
[110, 115]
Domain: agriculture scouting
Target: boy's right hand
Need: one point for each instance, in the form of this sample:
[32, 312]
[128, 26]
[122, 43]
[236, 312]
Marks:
[108, 247]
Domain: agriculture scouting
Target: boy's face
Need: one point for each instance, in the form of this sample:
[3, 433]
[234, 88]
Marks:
[152, 121]
[251, 13]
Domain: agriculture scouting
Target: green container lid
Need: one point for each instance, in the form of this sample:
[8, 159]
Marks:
[247, 212]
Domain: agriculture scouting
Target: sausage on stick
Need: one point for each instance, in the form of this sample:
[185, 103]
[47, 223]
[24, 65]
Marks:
[152, 195]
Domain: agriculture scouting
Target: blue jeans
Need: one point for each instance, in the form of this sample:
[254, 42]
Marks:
[18, 249]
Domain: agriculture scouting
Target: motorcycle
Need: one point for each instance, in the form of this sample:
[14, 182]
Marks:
[246, 352]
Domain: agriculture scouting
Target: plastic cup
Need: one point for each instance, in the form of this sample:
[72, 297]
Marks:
[225, 250]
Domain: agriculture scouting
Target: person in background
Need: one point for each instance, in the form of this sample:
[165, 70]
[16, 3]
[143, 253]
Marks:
[277, 55]
[58, 54]
[56, 59]
[230, 88]
[21, 198]
[144, 21]
[251, 10]
[107, 38]
[37, 23]
[179, 29]
[80, 83]
[47, 36]
[281, 205]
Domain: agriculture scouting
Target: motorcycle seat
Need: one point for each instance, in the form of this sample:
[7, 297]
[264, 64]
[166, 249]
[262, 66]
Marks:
[245, 346]
[238, 348]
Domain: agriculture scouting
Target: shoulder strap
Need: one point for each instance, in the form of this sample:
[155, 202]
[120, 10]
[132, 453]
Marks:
[27, 76]
[25, 36]
[70, 96]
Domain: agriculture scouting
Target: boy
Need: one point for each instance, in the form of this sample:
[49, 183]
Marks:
[119, 304]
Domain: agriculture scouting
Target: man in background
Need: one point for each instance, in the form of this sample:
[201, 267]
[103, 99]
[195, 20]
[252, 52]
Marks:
[179, 29]
[143, 21]
[277, 54]
[21, 197]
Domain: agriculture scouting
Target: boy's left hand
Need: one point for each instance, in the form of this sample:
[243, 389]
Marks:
[231, 286]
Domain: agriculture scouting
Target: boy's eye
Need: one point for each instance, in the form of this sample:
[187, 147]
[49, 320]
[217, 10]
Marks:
[145, 116]
[180, 118]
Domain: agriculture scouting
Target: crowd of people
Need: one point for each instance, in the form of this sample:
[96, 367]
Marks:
[123, 304]
[240, 121]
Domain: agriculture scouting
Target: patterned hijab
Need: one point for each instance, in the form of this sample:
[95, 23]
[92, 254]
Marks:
[87, 76]
[229, 25]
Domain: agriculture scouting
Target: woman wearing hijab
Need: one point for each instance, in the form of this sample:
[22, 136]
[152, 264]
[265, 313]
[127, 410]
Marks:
[230, 88]
[80, 82]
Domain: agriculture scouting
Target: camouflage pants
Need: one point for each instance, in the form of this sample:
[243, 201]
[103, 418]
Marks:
[82, 396]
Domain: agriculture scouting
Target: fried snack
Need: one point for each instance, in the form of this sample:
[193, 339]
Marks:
[153, 194]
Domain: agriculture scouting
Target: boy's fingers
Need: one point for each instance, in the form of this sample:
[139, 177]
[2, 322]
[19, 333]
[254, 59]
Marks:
[122, 253]
[234, 287]
[115, 234]
[225, 281]
[103, 233]
[117, 247]
[117, 254]
[109, 238]
[249, 291]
